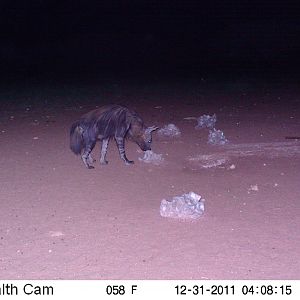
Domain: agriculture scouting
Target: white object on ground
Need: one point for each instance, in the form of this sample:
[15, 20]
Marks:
[151, 157]
[217, 137]
[169, 130]
[208, 161]
[206, 121]
[187, 206]
[253, 188]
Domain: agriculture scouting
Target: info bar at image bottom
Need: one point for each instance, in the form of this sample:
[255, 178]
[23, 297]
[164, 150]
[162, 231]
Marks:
[148, 289]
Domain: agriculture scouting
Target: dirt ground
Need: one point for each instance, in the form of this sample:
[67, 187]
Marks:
[59, 220]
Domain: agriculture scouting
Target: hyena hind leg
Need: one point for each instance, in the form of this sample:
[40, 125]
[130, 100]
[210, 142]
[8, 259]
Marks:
[120, 143]
[103, 160]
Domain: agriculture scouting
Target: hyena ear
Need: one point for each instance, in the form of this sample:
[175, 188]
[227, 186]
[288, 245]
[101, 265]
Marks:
[150, 129]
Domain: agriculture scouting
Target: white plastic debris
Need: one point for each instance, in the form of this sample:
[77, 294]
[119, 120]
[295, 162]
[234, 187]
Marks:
[151, 157]
[208, 161]
[216, 137]
[206, 121]
[55, 233]
[253, 188]
[215, 163]
[187, 206]
[169, 130]
[190, 118]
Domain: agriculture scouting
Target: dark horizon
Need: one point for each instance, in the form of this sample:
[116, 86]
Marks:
[62, 39]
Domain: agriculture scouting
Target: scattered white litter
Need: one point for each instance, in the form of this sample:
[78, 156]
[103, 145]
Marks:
[187, 206]
[253, 188]
[35, 138]
[214, 163]
[55, 233]
[208, 161]
[190, 118]
[216, 137]
[151, 157]
[35, 123]
[232, 167]
[169, 130]
[206, 121]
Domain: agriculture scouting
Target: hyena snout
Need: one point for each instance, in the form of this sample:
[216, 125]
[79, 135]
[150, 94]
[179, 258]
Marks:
[147, 138]
[145, 147]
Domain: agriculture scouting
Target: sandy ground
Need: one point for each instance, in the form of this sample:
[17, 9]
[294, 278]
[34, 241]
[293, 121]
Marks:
[59, 220]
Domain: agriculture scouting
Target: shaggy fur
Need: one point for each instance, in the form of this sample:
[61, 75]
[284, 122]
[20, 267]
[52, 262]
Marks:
[113, 121]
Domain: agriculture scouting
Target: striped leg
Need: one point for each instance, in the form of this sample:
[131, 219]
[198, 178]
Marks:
[103, 161]
[90, 159]
[120, 143]
[86, 156]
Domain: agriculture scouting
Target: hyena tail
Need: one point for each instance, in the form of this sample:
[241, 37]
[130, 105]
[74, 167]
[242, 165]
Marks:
[76, 138]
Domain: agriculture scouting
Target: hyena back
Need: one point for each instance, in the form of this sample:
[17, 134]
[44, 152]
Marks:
[113, 121]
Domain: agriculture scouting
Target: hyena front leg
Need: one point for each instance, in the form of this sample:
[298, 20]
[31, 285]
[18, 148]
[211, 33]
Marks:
[120, 143]
[103, 160]
[91, 159]
[86, 155]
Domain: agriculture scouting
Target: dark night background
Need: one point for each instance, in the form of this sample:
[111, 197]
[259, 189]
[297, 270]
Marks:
[171, 62]
[55, 40]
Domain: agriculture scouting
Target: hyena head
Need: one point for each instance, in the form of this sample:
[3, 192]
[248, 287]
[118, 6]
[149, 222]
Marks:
[143, 136]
